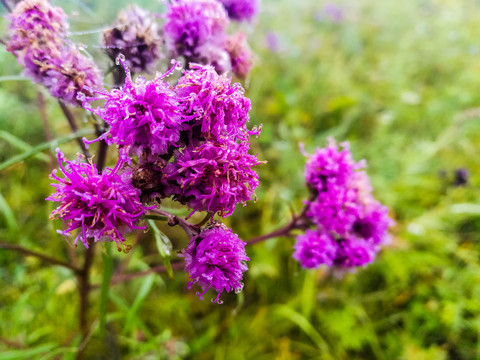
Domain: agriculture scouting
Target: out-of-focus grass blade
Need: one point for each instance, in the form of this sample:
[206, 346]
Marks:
[8, 214]
[466, 208]
[164, 246]
[105, 289]
[141, 296]
[26, 353]
[306, 326]
[21, 145]
[44, 146]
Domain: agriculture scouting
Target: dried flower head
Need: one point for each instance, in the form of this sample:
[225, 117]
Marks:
[37, 32]
[215, 176]
[214, 104]
[240, 54]
[71, 74]
[144, 115]
[136, 35]
[104, 206]
[215, 259]
[241, 9]
[192, 23]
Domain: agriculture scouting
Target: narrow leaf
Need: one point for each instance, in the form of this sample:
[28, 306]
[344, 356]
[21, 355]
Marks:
[105, 289]
[44, 146]
[21, 145]
[7, 212]
[141, 296]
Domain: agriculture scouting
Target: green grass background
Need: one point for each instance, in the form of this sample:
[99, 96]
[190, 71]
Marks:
[400, 81]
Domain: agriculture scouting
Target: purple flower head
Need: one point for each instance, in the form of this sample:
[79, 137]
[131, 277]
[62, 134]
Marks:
[214, 104]
[72, 74]
[214, 176]
[216, 259]
[37, 33]
[192, 23]
[314, 249]
[240, 54]
[104, 206]
[135, 35]
[354, 252]
[373, 224]
[142, 115]
[241, 9]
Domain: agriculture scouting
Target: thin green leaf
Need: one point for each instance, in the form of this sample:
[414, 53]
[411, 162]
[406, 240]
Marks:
[26, 353]
[105, 289]
[44, 146]
[164, 246]
[21, 145]
[141, 296]
[7, 212]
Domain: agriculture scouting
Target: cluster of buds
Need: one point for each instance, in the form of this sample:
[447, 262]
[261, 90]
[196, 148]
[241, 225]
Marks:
[349, 224]
[38, 38]
[196, 30]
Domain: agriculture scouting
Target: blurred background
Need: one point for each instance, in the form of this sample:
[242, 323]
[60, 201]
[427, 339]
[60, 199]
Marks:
[399, 80]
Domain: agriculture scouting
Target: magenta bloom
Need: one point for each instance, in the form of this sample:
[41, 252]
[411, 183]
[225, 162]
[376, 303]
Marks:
[354, 252]
[314, 249]
[104, 206]
[136, 35]
[192, 23]
[240, 54]
[214, 176]
[214, 104]
[143, 115]
[216, 259]
[241, 9]
[71, 74]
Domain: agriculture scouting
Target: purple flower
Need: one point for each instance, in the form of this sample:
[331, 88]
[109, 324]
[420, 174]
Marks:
[215, 55]
[216, 259]
[37, 33]
[214, 176]
[373, 224]
[272, 42]
[354, 252]
[105, 207]
[71, 74]
[241, 9]
[191, 24]
[240, 54]
[331, 11]
[214, 104]
[135, 35]
[314, 249]
[143, 115]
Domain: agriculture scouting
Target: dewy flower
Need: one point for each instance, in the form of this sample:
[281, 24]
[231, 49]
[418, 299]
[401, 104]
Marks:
[37, 33]
[354, 252]
[240, 54]
[71, 74]
[214, 104]
[241, 9]
[314, 249]
[190, 24]
[216, 259]
[103, 206]
[214, 176]
[135, 35]
[144, 115]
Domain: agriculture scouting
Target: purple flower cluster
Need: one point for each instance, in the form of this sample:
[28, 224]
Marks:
[241, 9]
[196, 30]
[143, 116]
[191, 140]
[104, 206]
[214, 176]
[136, 35]
[37, 33]
[216, 259]
[350, 224]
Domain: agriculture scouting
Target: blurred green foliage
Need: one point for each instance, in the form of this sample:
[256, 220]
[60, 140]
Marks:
[398, 80]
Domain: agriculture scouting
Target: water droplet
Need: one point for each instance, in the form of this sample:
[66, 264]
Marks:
[120, 59]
